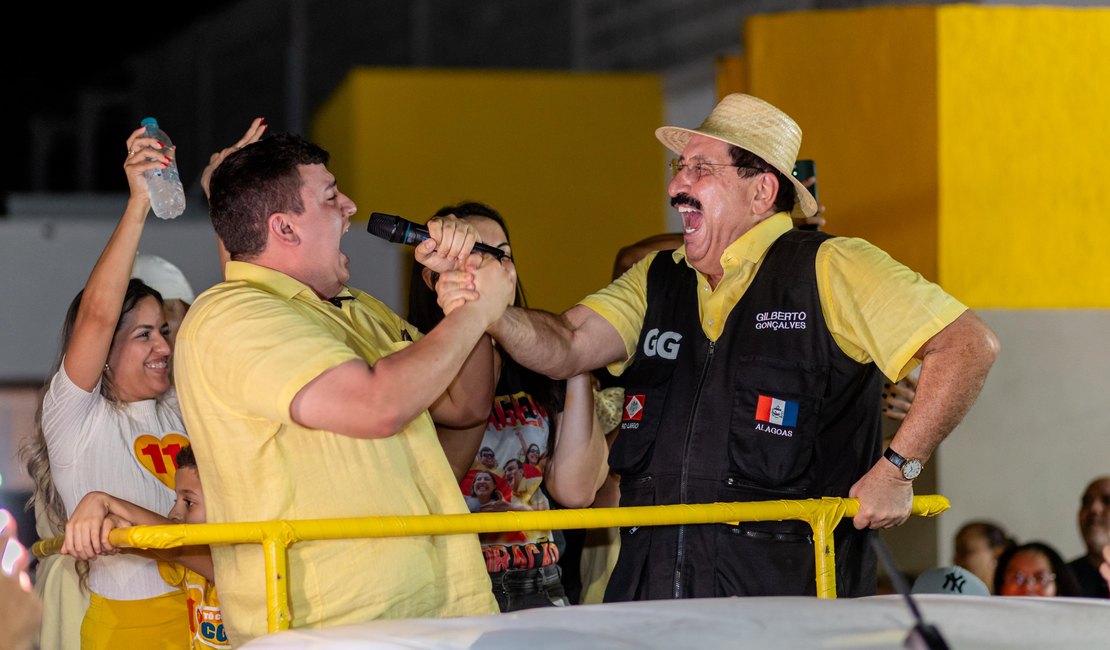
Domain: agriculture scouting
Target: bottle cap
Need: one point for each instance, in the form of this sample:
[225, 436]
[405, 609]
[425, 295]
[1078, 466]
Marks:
[149, 121]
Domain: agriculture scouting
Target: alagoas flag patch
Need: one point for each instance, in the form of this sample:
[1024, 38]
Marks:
[633, 407]
[776, 411]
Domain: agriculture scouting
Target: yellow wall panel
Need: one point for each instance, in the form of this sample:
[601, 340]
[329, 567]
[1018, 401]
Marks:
[862, 85]
[970, 142]
[731, 75]
[570, 160]
[1024, 114]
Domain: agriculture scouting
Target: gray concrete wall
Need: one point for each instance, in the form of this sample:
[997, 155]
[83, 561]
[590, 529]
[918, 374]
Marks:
[1039, 431]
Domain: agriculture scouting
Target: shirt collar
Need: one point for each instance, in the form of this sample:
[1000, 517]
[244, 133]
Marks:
[272, 281]
[752, 245]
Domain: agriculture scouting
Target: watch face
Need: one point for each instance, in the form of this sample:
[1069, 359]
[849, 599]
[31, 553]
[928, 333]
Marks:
[911, 468]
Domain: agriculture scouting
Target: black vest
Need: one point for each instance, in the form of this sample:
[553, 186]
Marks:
[772, 410]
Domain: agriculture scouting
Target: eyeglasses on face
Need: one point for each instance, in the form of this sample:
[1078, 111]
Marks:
[700, 168]
[1038, 579]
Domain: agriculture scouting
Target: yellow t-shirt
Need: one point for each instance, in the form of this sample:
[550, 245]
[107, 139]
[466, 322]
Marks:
[246, 348]
[876, 309]
[206, 622]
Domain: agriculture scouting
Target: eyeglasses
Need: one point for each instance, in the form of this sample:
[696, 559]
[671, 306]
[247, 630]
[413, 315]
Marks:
[1038, 579]
[701, 169]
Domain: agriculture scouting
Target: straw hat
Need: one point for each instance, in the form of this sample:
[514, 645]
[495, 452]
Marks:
[758, 127]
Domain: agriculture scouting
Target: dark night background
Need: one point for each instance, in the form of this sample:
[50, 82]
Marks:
[49, 58]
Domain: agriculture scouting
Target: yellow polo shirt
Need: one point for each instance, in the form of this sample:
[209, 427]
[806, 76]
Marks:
[876, 309]
[245, 349]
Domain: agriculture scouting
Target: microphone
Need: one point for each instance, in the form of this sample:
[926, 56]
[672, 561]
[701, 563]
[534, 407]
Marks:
[402, 231]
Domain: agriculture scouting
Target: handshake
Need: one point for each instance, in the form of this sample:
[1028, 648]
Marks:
[465, 270]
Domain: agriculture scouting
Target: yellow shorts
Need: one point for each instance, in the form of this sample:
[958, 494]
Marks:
[159, 622]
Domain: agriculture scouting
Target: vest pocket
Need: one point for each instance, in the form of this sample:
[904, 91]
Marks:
[763, 558]
[757, 559]
[631, 574]
[643, 411]
[773, 430]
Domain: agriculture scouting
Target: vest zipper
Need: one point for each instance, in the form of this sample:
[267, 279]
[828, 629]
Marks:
[680, 553]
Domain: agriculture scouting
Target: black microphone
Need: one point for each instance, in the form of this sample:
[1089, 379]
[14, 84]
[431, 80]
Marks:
[402, 231]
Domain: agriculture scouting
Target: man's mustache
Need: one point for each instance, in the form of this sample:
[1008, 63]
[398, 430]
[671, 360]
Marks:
[683, 198]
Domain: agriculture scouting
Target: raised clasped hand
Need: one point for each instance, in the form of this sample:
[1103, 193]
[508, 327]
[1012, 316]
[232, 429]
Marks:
[253, 134]
[485, 280]
[449, 243]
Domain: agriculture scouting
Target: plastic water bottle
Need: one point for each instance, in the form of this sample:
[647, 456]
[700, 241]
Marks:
[167, 196]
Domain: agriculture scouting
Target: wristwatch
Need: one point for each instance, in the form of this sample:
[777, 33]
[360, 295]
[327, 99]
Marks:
[911, 467]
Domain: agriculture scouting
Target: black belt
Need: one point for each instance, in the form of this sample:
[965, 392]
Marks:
[526, 581]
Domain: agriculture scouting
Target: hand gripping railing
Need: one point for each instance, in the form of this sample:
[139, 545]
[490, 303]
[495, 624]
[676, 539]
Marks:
[822, 515]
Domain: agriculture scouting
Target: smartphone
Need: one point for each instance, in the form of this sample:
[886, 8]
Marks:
[805, 169]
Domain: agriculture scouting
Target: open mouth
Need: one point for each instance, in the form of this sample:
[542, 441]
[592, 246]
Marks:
[691, 218]
[689, 209]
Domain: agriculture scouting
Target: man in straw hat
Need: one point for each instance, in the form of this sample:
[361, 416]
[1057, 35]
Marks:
[751, 358]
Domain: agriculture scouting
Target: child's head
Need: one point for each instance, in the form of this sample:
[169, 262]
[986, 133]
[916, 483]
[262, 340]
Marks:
[189, 507]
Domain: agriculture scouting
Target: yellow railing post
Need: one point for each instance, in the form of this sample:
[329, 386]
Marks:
[823, 515]
[827, 514]
[275, 549]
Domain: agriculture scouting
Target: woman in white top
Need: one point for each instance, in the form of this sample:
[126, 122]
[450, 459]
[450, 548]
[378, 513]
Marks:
[109, 421]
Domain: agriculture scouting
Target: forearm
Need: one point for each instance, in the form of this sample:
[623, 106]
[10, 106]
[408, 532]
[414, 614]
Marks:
[103, 296]
[536, 339]
[197, 558]
[109, 277]
[416, 377]
[137, 515]
[362, 401]
[558, 346]
[578, 463]
[954, 367]
[95, 516]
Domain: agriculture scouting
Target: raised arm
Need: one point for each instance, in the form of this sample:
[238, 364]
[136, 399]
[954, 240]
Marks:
[466, 402]
[461, 444]
[559, 346]
[102, 301]
[954, 366]
[578, 464]
[253, 134]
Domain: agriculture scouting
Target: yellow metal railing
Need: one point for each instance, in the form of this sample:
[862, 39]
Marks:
[822, 515]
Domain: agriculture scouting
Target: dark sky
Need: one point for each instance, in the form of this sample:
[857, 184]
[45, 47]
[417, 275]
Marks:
[49, 58]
